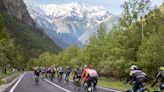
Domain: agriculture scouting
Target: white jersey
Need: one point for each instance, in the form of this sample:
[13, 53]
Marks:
[92, 73]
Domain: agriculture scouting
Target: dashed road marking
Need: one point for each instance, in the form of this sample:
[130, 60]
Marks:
[57, 86]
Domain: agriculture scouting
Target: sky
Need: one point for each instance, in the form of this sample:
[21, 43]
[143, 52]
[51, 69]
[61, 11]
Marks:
[112, 6]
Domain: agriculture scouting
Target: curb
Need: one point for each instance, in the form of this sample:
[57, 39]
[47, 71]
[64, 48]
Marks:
[4, 87]
[8, 79]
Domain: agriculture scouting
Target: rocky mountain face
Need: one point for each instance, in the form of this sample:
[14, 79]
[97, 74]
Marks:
[18, 9]
[30, 39]
[72, 23]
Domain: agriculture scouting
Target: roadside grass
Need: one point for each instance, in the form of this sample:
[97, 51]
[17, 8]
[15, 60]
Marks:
[119, 85]
[2, 75]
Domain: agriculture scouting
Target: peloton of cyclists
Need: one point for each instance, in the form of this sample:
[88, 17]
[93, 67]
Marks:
[88, 74]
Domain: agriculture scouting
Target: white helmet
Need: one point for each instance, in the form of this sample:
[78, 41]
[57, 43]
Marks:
[85, 66]
[133, 67]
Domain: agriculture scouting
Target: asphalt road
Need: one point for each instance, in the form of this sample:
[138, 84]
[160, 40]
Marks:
[26, 83]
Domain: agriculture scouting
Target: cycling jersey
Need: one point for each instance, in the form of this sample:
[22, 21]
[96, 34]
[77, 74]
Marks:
[84, 73]
[91, 76]
[60, 70]
[137, 77]
[92, 73]
[160, 76]
[68, 70]
[37, 72]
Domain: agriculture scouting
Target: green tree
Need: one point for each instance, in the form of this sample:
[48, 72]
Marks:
[3, 30]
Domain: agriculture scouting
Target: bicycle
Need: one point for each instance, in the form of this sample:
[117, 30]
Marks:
[43, 76]
[66, 80]
[77, 84]
[92, 88]
[36, 80]
[140, 89]
[51, 76]
[161, 88]
[59, 78]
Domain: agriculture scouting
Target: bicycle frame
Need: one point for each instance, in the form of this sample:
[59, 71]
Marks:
[139, 90]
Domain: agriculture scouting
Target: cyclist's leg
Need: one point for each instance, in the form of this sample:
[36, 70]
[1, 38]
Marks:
[161, 87]
[54, 74]
[78, 81]
[88, 82]
[65, 78]
[136, 86]
[60, 75]
[95, 79]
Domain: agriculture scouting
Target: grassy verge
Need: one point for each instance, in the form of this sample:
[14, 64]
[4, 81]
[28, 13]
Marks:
[119, 85]
[2, 75]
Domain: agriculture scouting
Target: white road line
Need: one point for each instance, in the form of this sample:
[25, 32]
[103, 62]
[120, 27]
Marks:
[57, 86]
[17, 83]
[109, 89]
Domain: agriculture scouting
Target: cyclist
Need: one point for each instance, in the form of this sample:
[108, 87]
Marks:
[51, 73]
[137, 78]
[91, 76]
[132, 68]
[74, 72]
[67, 73]
[77, 73]
[84, 72]
[55, 70]
[160, 76]
[43, 72]
[47, 72]
[77, 77]
[60, 72]
[36, 74]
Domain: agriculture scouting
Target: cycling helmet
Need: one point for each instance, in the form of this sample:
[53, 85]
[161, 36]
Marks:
[161, 68]
[85, 66]
[133, 67]
[91, 66]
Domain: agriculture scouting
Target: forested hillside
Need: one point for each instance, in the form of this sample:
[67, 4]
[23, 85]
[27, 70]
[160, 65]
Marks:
[9, 54]
[21, 39]
[136, 39]
[30, 40]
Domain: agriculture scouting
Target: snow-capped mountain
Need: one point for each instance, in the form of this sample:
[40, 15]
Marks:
[68, 24]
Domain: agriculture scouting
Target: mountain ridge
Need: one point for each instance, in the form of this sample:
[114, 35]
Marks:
[67, 24]
[30, 40]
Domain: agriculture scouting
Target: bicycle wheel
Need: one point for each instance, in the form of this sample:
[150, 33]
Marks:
[92, 87]
[36, 80]
[60, 78]
[146, 90]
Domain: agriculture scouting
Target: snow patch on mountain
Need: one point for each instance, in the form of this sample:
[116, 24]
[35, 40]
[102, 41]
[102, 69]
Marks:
[67, 24]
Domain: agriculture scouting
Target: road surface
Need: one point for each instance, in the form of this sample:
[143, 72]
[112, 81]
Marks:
[26, 83]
